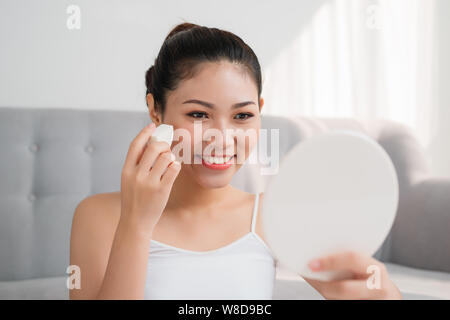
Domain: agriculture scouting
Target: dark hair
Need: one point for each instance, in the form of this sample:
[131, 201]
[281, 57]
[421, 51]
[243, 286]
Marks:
[188, 45]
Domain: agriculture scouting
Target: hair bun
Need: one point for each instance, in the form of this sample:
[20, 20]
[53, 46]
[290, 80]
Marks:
[181, 27]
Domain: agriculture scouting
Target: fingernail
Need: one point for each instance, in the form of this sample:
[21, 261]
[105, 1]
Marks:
[314, 265]
[172, 156]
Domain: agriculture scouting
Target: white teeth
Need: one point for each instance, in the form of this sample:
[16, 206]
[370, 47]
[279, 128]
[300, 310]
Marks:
[217, 160]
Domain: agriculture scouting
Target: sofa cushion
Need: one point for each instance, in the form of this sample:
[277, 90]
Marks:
[413, 283]
[53, 288]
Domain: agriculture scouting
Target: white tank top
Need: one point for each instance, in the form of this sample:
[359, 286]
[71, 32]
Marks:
[243, 269]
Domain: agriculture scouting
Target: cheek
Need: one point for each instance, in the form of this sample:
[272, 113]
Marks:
[246, 142]
[182, 146]
[251, 137]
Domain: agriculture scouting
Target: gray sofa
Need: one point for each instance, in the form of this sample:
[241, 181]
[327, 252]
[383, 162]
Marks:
[53, 158]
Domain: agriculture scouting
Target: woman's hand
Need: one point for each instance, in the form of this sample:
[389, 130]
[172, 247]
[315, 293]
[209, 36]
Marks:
[145, 185]
[370, 278]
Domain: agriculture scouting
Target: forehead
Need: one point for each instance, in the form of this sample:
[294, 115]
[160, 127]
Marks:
[217, 82]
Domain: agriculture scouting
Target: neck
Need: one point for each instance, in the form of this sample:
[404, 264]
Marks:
[187, 194]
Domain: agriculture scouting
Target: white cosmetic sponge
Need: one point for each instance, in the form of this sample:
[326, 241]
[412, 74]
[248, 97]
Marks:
[164, 132]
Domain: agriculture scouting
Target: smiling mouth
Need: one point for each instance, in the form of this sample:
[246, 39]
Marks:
[216, 160]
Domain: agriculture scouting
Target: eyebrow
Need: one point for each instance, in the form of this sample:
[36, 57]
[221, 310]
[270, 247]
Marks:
[212, 106]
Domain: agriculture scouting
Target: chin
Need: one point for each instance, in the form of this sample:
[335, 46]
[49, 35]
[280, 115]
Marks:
[214, 181]
[211, 179]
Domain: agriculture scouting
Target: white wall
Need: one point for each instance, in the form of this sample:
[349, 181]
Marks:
[102, 65]
[439, 148]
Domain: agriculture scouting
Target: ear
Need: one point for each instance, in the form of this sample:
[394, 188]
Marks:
[261, 103]
[155, 116]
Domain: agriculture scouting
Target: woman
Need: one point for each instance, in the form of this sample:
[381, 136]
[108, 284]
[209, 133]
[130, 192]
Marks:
[178, 229]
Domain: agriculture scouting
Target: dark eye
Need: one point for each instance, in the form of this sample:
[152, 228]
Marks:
[244, 116]
[197, 115]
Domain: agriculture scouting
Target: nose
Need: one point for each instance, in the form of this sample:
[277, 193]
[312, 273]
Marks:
[222, 138]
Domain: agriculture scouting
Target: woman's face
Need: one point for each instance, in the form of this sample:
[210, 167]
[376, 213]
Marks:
[221, 103]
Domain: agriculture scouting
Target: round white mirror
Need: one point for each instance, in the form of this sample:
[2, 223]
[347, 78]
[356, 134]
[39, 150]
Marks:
[333, 192]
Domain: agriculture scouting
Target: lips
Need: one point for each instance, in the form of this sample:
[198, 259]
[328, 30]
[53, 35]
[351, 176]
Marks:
[217, 163]
[217, 160]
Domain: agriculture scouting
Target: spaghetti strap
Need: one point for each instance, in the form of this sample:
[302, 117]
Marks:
[255, 212]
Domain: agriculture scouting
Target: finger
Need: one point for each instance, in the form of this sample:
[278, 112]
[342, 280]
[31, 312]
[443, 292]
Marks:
[151, 153]
[345, 289]
[348, 260]
[171, 174]
[137, 146]
[160, 165]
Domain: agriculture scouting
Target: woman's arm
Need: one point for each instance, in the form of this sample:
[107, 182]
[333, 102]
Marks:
[127, 266]
[112, 253]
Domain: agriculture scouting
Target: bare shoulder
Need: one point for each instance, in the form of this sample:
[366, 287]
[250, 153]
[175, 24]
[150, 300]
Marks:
[101, 199]
[101, 208]
[101, 203]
